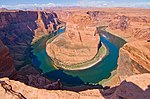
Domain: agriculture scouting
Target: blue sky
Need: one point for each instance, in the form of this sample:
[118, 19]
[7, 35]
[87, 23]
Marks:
[12, 4]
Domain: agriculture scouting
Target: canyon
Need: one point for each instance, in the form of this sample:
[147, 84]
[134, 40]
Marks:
[20, 29]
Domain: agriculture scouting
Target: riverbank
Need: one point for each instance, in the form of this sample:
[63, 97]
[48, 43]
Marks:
[87, 64]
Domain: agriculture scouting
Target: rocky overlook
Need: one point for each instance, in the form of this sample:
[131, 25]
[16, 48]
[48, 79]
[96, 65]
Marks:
[134, 87]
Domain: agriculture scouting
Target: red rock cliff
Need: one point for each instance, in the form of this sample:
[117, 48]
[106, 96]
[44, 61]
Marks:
[7, 68]
[18, 29]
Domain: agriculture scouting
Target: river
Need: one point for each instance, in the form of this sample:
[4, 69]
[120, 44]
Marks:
[98, 72]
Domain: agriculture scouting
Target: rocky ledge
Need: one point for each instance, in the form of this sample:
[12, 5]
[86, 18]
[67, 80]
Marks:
[134, 87]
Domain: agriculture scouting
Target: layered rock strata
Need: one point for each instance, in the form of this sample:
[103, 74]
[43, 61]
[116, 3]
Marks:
[134, 58]
[7, 68]
[18, 29]
[78, 44]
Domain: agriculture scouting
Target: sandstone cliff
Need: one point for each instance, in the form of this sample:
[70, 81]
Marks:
[128, 23]
[134, 58]
[18, 29]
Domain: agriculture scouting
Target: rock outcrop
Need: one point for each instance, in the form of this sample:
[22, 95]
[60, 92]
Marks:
[134, 58]
[134, 87]
[17, 90]
[79, 40]
[131, 27]
[27, 74]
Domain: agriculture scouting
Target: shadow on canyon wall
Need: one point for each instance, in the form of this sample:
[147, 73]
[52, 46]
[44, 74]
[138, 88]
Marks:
[126, 90]
[17, 31]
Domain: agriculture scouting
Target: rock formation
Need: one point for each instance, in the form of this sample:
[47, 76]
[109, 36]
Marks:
[134, 58]
[18, 29]
[79, 40]
[134, 87]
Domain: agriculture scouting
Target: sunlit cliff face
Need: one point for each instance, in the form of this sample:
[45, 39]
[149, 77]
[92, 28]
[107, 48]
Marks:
[79, 43]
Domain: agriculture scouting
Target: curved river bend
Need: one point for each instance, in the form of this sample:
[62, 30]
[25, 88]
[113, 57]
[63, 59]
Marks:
[98, 72]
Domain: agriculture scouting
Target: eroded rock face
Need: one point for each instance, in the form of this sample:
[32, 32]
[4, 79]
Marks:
[7, 68]
[133, 87]
[134, 58]
[131, 27]
[18, 29]
[78, 44]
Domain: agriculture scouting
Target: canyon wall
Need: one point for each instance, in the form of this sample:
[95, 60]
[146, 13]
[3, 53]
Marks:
[134, 58]
[18, 29]
[130, 24]
[133, 25]
[7, 68]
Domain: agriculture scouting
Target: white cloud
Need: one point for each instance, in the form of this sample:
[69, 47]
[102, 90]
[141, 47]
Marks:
[20, 6]
[91, 3]
[105, 4]
[84, 3]
[113, 3]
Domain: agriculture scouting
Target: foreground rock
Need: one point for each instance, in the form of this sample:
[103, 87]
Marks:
[134, 87]
[134, 58]
[78, 44]
[21, 91]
